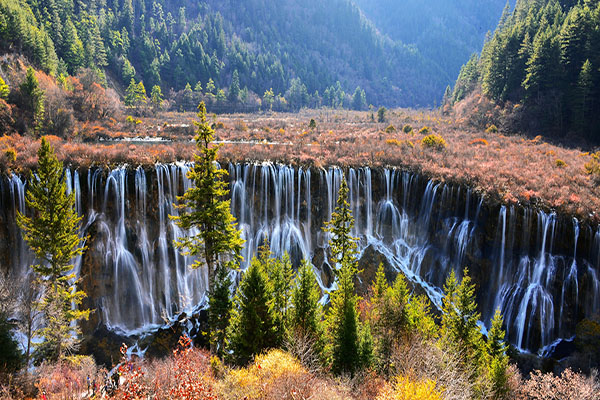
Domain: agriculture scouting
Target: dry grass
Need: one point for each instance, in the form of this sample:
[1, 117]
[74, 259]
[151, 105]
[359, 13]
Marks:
[509, 169]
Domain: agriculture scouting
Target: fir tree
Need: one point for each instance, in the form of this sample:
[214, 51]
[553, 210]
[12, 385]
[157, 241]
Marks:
[497, 362]
[156, 97]
[210, 213]
[306, 311]
[252, 328]
[52, 234]
[220, 305]
[459, 321]
[281, 277]
[234, 89]
[342, 320]
[34, 99]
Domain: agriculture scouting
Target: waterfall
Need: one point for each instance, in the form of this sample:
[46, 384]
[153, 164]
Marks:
[540, 270]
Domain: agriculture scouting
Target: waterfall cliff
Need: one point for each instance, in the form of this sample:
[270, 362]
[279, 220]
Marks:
[541, 269]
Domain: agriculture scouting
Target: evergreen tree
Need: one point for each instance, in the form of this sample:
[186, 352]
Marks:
[268, 99]
[306, 311]
[584, 90]
[135, 95]
[234, 89]
[459, 328]
[381, 114]
[497, 361]
[72, 47]
[359, 99]
[342, 244]
[52, 234]
[281, 278]
[209, 212]
[252, 328]
[4, 89]
[342, 320]
[10, 355]
[34, 99]
[220, 305]
[156, 97]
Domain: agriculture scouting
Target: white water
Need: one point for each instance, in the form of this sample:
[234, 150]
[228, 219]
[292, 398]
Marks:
[423, 228]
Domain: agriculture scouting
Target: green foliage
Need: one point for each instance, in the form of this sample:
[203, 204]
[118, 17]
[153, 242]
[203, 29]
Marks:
[208, 211]
[467, 79]
[136, 94]
[268, 99]
[497, 358]
[433, 141]
[459, 330]
[4, 89]
[252, 328]
[281, 277]
[381, 114]
[10, 355]
[33, 97]
[359, 99]
[543, 55]
[492, 129]
[234, 89]
[306, 311]
[592, 167]
[342, 319]
[156, 97]
[52, 233]
[219, 311]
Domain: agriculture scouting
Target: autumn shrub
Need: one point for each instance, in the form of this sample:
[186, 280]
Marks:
[569, 385]
[425, 130]
[390, 129]
[592, 167]
[241, 126]
[68, 378]
[492, 129]
[433, 141]
[478, 142]
[560, 163]
[407, 128]
[11, 154]
[274, 375]
[408, 389]
[132, 384]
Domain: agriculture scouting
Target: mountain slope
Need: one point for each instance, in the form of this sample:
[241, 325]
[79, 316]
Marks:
[446, 32]
[545, 57]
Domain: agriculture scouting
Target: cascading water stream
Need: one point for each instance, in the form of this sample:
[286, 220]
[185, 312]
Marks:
[422, 228]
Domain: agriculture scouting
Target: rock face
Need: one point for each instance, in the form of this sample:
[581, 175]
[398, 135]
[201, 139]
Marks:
[539, 268]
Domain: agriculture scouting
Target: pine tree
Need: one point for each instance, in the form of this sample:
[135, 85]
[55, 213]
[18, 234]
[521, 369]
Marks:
[459, 321]
[72, 47]
[4, 89]
[210, 213]
[234, 89]
[252, 328]
[497, 359]
[156, 97]
[34, 99]
[306, 311]
[281, 278]
[342, 320]
[52, 234]
[220, 305]
[584, 90]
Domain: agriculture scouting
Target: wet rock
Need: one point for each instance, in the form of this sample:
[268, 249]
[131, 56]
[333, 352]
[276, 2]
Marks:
[368, 264]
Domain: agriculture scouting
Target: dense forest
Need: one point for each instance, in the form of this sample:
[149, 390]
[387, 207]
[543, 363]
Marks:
[296, 53]
[542, 67]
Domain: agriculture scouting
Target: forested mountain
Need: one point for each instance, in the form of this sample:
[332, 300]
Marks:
[446, 32]
[545, 57]
[311, 52]
[301, 47]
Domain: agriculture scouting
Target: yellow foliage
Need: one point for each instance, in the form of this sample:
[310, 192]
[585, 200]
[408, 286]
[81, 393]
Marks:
[407, 389]
[433, 141]
[560, 163]
[267, 371]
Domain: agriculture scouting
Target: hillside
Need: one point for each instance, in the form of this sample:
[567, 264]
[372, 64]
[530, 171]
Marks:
[445, 32]
[317, 53]
[541, 69]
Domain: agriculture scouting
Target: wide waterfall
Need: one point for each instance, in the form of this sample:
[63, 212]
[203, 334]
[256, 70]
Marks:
[540, 269]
